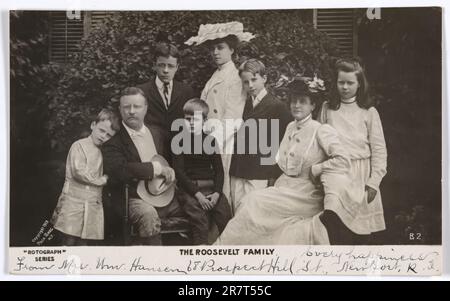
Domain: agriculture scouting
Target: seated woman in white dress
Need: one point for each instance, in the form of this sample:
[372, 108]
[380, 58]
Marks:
[288, 212]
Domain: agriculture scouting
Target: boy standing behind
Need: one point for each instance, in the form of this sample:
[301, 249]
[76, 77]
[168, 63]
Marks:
[247, 171]
[166, 96]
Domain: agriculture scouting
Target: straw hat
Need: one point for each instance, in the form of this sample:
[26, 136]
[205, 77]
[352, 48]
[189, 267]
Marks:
[157, 192]
[209, 32]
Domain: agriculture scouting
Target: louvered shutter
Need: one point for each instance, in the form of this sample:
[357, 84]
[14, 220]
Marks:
[338, 24]
[65, 35]
[95, 19]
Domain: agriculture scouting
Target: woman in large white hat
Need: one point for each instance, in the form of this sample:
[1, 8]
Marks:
[223, 92]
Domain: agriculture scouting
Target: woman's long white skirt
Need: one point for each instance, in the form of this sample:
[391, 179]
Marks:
[278, 216]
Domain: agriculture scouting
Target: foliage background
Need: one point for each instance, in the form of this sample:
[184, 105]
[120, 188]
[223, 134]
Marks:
[51, 104]
[403, 55]
[119, 55]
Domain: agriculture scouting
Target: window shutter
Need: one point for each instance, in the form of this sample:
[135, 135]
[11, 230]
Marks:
[97, 17]
[65, 35]
[338, 24]
[94, 19]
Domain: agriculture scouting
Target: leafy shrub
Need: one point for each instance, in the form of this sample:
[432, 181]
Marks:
[118, 54]
[31, 77]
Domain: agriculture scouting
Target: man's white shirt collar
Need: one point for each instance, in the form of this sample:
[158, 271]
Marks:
[133, 133]
[160, 84]
[157, 167]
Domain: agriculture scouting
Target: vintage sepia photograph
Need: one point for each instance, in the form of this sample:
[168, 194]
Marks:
[295, 127]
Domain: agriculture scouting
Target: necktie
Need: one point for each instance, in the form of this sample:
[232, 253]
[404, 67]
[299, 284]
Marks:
[254, 101]
[166, 95]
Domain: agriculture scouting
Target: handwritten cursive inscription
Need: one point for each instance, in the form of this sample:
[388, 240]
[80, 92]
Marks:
[317, 260]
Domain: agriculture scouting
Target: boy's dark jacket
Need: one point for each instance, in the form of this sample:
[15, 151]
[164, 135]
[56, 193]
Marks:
[248, 166]
[203, 166]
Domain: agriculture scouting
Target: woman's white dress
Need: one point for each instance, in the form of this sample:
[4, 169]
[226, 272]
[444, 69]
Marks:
[288, 213]
[224, 95]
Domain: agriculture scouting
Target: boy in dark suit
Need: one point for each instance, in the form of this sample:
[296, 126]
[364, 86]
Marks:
[166, 96]
[249, 168]
[199, 171]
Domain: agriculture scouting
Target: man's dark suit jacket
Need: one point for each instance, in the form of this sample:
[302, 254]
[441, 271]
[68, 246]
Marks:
[157, 113]
[122, 164]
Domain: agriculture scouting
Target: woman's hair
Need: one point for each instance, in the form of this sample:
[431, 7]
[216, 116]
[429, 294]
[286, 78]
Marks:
[231, 40]
[253, 66]
[108, 115]
[194, 105]
[362, 95]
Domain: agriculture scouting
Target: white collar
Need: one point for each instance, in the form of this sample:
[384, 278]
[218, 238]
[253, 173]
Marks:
[133, 133]
[226, 67]
[350, 100]
[300, 123]
[160, 84]
[260, 95]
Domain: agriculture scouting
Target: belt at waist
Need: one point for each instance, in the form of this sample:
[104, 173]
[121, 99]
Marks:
[90, 190]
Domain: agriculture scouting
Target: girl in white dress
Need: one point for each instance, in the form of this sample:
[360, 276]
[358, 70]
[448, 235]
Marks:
[351, 113]
[289, 212]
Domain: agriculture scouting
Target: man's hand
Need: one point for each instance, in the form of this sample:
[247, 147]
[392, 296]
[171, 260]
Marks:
[371, 194]
[168, 173]
[214, 198]
[204, 202]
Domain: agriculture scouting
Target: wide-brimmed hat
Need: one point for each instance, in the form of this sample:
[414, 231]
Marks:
[157, 192]
[209, 32]
[310, 86]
